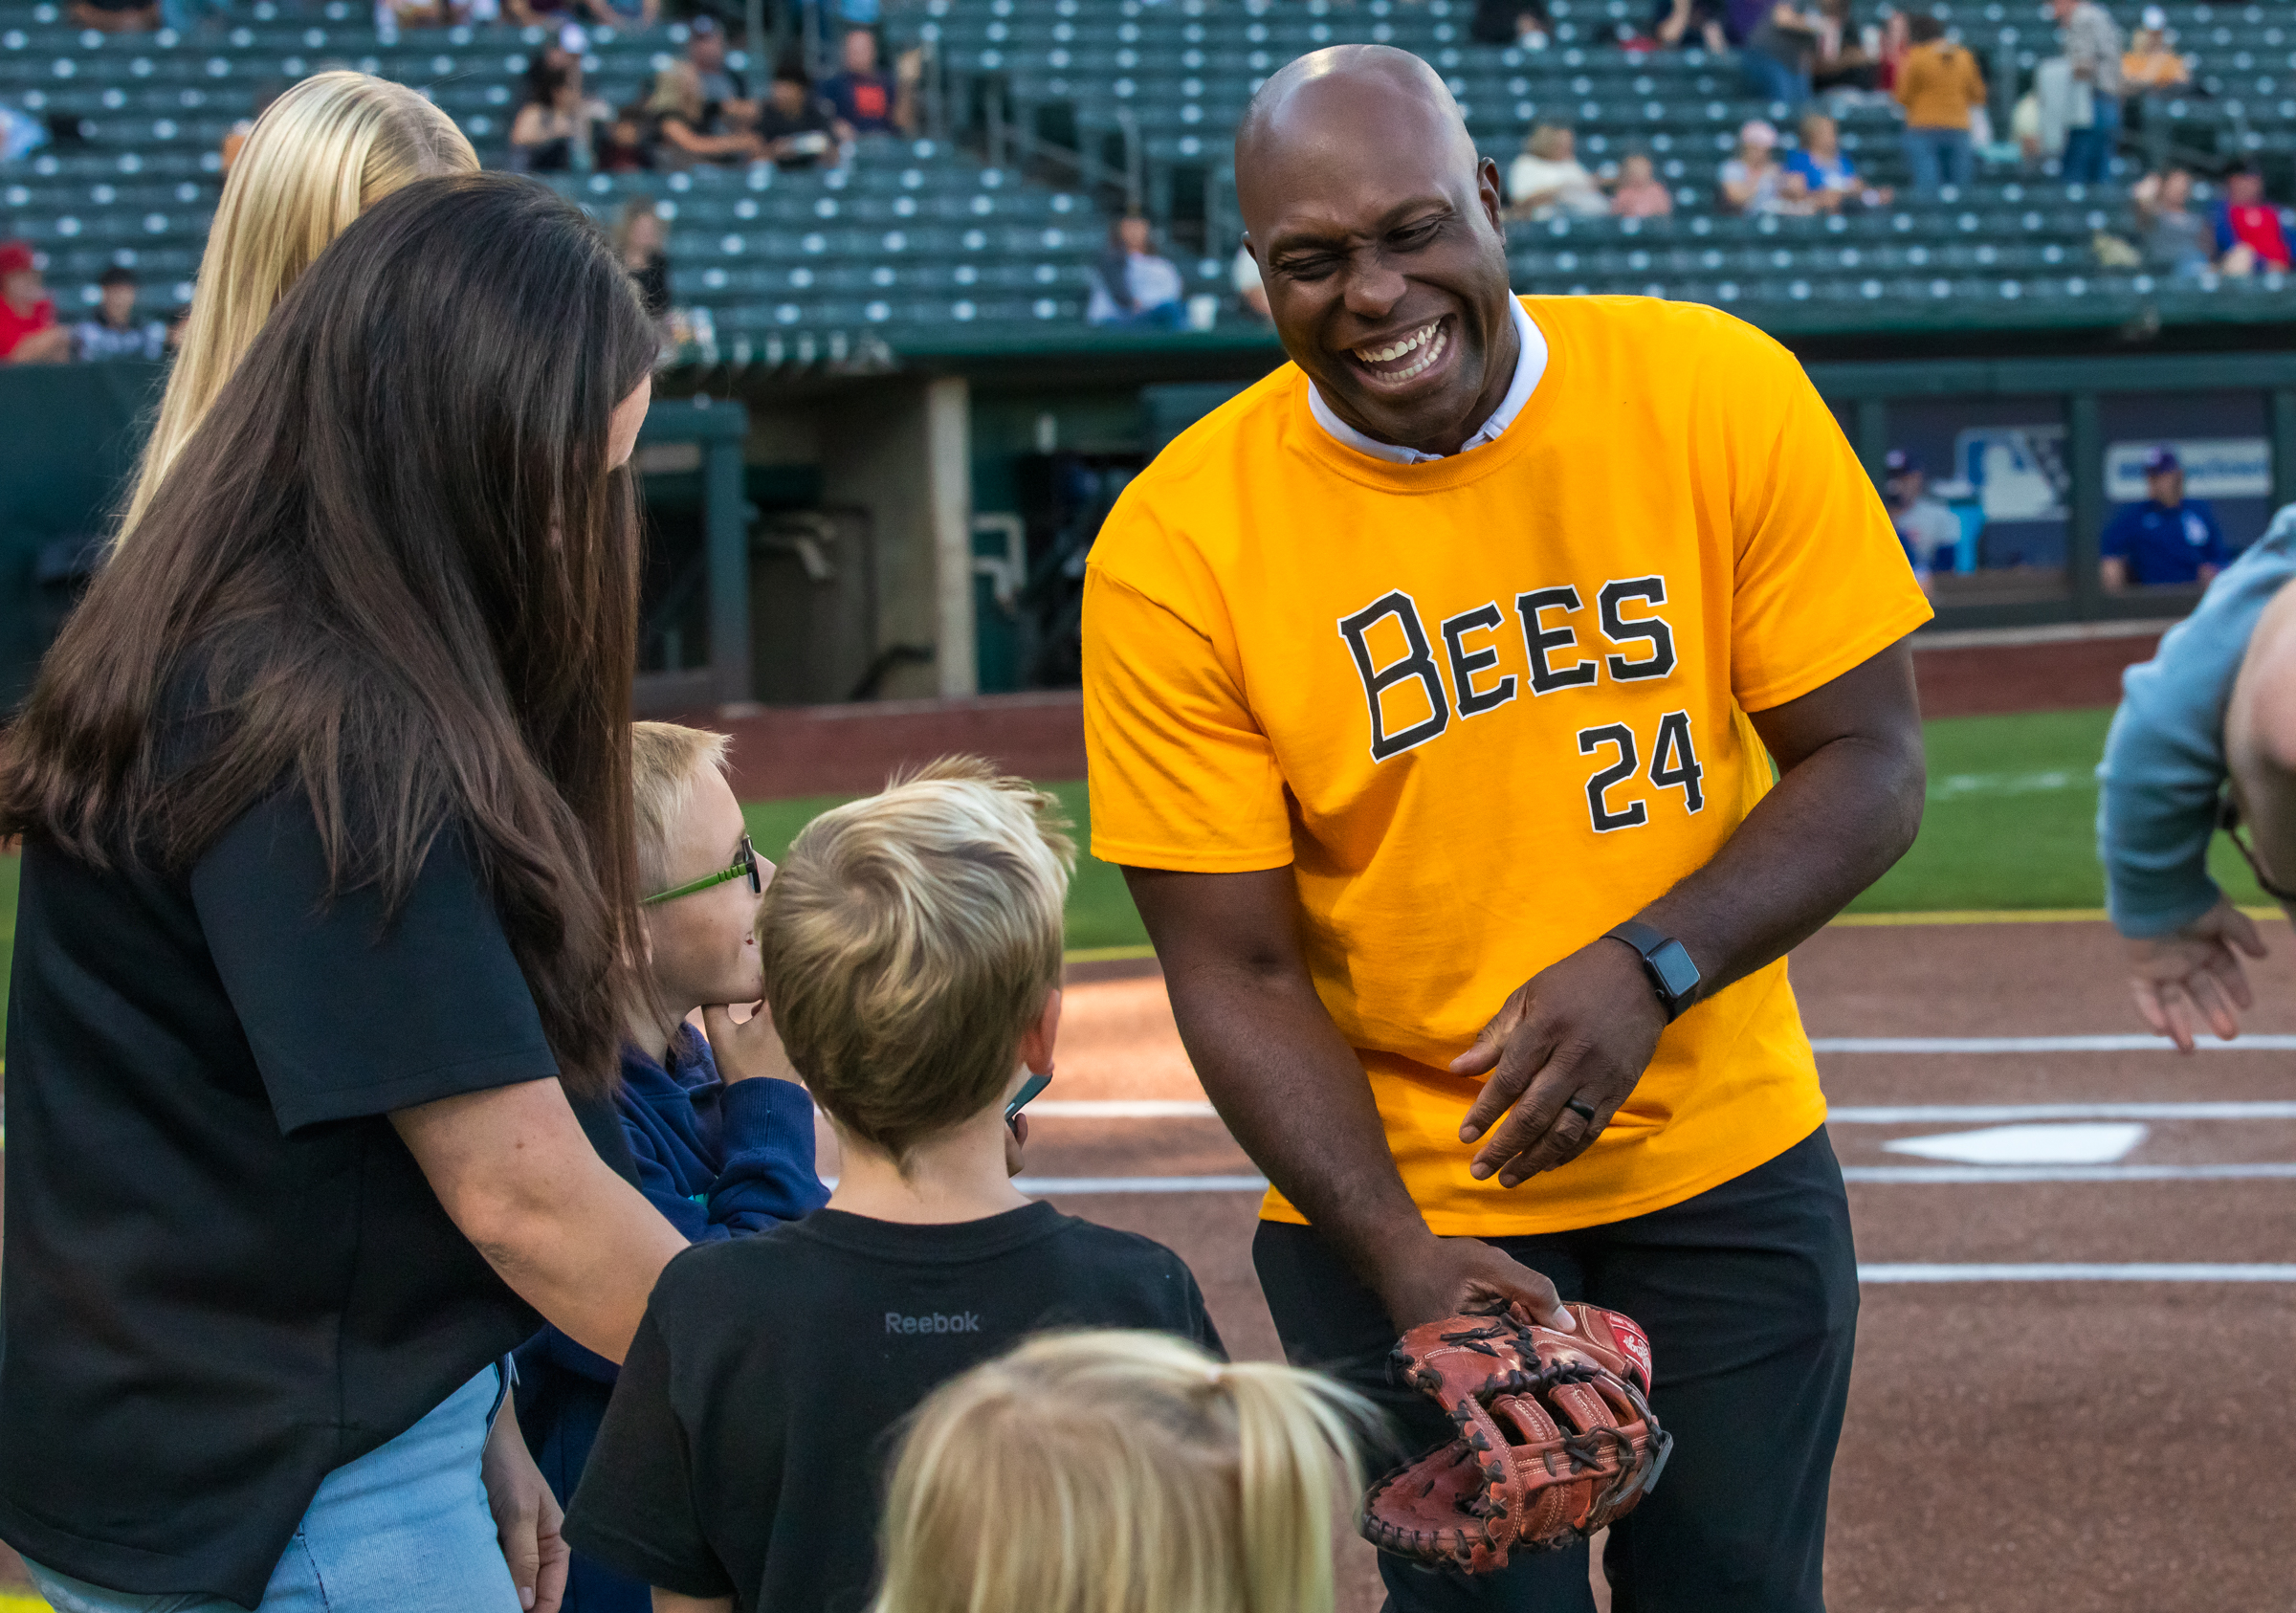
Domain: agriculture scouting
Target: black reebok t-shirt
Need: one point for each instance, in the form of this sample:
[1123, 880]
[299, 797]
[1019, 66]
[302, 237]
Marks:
[745, 1450]
[225, 1274]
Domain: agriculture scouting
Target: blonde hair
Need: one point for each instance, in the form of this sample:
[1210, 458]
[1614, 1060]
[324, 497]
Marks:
[666, 761]
[909, 940]
[330, 147]
[1121, 1473]
[1546, 142]
[678, 89]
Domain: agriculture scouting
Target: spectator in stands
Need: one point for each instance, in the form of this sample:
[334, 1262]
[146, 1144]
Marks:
[114, 332]
[2166, 539]
[1133, 288]
[1547, 180]
[2249, 235]
[1510, 22]
[799, 127]
[685, 133]
[1216, 1485]
[1640, 194]
[424, 13]
[640, 240]
[869, 100]
[330, 147]
[2174, 237]
[2092, 52]
[1897, 40]
[1847, 55]
[2148, 64]
[1692, 22]
[726, 100]
[623, 147]
[115, 16]
[1755, 181]
[1252, 292]
[1938, 85]
[28, 334]
[1924, 524]
[561, 54]
[557, 136]
[1779, 53]
[1827, 175]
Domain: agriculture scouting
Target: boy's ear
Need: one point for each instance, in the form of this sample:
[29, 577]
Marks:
[1036, 1042]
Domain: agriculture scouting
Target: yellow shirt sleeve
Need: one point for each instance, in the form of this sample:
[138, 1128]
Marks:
[1181, 777]
[1823, 584]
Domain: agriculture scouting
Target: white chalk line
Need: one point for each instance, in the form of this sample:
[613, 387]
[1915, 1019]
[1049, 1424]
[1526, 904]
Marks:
[1845, 1115]
[2253, 1044]
[2167, 1271]
[1944, 1175]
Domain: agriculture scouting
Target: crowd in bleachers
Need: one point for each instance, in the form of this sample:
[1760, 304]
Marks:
[1685, 118]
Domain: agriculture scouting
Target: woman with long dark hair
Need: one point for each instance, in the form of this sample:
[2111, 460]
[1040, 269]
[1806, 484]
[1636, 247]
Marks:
[325, 943]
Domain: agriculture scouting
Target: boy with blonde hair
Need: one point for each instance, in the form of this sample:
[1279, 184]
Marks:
[911, 952]
[719, 1139]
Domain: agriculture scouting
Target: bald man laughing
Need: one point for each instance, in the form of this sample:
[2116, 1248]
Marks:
[1433, 686]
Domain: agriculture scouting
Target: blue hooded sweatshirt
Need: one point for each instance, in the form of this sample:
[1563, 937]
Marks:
[717, 1161]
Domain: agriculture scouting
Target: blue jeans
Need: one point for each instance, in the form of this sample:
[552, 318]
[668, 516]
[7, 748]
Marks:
[403, 1529]
[1768, 79]
[2089, 151]
[1938, 157]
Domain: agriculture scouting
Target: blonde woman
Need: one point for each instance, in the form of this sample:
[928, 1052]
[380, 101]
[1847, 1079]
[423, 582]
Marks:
[320, 154]
[1122, 1473]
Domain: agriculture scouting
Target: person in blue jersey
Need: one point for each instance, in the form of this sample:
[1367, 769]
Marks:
[721, 1134]
[2168, 537]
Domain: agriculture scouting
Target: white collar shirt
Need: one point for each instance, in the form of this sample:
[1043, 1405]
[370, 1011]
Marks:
[1530, 363]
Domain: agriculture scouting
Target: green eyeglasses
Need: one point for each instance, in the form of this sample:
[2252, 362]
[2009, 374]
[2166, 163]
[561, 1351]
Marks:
[744, 868]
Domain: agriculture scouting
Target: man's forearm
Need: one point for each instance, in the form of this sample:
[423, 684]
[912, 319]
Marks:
[1294, 1095]
[1831, 827]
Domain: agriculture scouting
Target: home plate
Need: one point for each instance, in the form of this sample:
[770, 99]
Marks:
[2091, 1142]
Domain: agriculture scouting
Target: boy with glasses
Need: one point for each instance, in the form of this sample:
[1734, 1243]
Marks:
[721, 1134]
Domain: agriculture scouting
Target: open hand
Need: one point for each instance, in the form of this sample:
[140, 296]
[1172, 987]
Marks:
[2194, 974]
[1582, 1028]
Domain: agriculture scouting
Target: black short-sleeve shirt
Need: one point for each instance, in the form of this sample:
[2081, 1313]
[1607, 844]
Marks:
[225, 1275]
[746, 1442]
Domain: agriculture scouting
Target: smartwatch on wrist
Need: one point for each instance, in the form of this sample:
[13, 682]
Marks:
[1673, 977]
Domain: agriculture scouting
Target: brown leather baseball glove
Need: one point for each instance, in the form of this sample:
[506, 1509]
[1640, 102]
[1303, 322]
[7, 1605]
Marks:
[1556, 1438]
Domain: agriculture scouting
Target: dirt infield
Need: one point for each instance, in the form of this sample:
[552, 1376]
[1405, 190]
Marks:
[2087, 1413]
[2075, 1440]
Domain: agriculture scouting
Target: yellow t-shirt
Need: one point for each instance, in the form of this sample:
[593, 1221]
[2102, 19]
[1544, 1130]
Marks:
[1490, 706]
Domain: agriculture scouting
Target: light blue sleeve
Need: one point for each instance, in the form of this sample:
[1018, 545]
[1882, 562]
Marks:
[2164, 760]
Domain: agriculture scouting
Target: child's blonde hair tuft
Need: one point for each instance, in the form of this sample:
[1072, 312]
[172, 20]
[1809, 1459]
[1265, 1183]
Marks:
[909, 940]
[1122, 1473]
[329, 148]
[666, 761]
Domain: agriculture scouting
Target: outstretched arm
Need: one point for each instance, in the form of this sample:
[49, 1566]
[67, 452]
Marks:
[1846, 804]
[1293, 1094]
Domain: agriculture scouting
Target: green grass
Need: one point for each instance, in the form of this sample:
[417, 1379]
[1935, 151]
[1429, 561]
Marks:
[2009, 825]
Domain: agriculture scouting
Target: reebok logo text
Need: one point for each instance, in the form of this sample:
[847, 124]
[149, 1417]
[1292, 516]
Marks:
[964, 1322]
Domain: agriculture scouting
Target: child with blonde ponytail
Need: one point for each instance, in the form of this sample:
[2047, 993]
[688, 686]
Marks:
[1122, 1473]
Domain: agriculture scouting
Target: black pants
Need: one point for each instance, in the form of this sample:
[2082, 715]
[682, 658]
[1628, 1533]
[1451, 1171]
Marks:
[1749, 1292]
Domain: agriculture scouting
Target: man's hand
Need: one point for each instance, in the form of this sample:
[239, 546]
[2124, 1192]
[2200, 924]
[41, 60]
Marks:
[526, 1517]
[1430, 1278]
[1583, 1029]
[2194, 974]
[749, 1050]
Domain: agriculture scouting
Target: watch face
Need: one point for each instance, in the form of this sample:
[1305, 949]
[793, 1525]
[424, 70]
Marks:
[1675, 969]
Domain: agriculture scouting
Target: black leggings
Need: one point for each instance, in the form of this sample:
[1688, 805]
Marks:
[1749, 1292]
